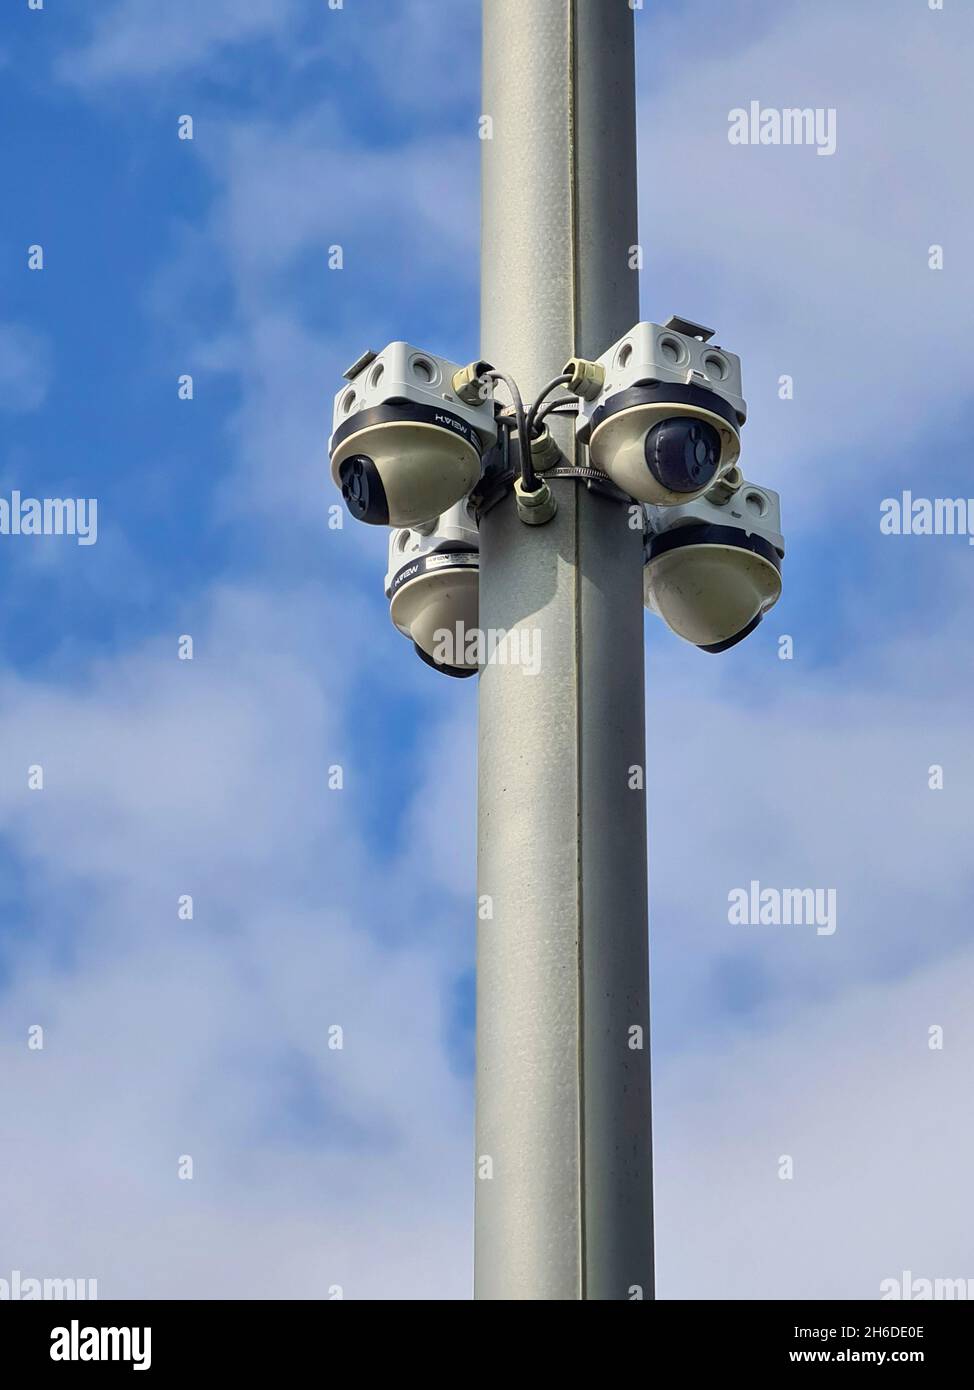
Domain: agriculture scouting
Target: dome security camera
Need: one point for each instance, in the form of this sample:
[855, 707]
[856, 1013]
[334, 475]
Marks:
[432, 585]
[407, 440]
[713, 566]
[661, 411]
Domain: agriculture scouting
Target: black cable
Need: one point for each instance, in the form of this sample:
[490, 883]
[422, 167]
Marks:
[565, 406]
[561, 380]
[528, 477]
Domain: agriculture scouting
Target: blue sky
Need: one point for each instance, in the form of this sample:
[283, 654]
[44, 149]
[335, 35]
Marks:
[358, 127]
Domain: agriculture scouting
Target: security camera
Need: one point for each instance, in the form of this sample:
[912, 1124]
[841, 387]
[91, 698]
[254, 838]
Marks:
[410, 430]
[432, 586]
[713, 566]
[661, 411]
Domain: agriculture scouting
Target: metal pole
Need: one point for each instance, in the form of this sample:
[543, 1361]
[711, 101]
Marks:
[564, 1174]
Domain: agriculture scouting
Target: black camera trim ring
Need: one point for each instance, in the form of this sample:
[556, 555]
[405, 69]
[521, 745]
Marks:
[652, 392]
[433, 562]
[715, 648]
[709, 533]
[457, 672]
[400, 411]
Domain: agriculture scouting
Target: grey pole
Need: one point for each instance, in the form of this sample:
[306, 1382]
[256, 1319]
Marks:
[564, 1170]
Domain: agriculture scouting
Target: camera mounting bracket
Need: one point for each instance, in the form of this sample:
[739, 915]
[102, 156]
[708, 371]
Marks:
[688, 328]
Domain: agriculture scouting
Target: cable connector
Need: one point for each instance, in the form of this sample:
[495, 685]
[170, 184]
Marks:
[470, 384]
[545, 453]
[725, 488]
[587, 378]
[535, 508]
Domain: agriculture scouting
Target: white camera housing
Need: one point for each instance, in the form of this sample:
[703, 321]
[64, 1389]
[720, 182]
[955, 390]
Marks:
[665, 425]
[713, 566]
[433, 585]
[404, 447]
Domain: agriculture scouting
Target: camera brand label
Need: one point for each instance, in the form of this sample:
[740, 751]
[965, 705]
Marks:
[428, 563]
[435, 562]
[451, 422]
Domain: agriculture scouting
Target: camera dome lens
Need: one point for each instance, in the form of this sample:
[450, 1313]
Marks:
[683, 454]
[362, 490]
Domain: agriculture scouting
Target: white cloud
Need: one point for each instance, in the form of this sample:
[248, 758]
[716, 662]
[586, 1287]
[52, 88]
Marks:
[359, 43]
[875, 1123]
[316, 1167]
[25, 368]
[284, 198]
[209, 1037]
[166, 1038]
[138, 39]
[818, 790]
[818, 267]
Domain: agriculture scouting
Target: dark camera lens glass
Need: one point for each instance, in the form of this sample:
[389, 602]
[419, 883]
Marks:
[683, 454]
[362, 490]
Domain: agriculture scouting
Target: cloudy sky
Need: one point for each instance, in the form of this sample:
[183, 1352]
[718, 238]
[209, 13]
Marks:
[316, 1167]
